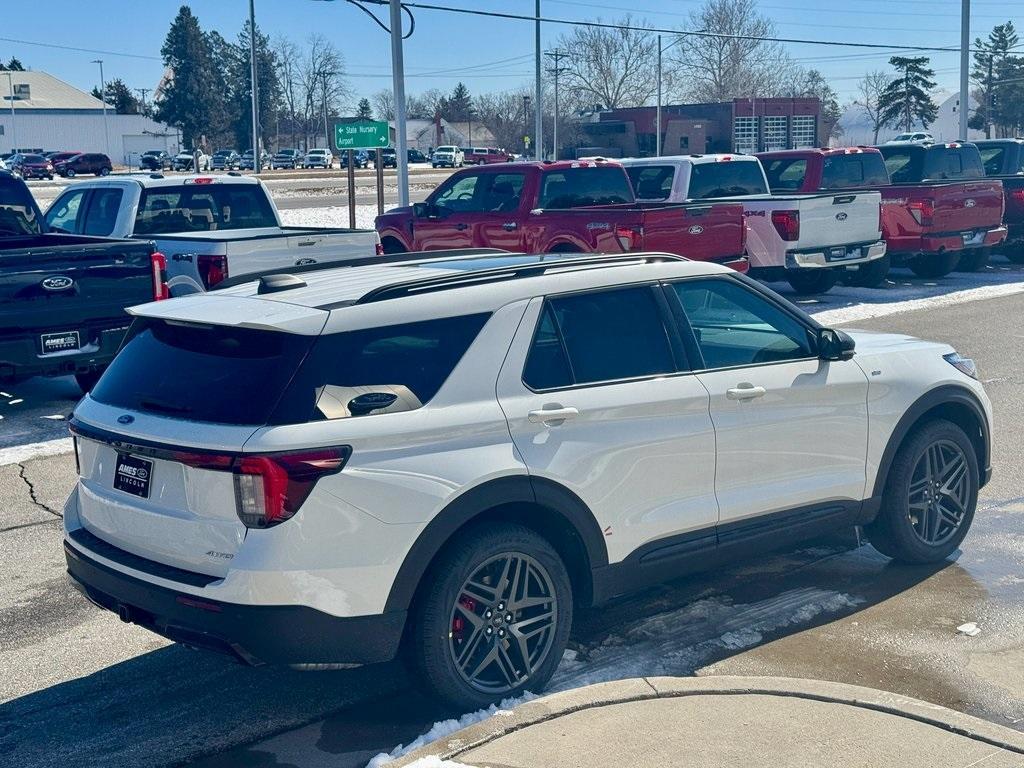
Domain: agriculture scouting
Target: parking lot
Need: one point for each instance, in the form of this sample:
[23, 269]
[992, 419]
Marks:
[76, 678]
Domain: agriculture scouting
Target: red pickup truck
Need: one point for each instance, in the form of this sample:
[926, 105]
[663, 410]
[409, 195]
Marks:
[938, 210]
[560, 207]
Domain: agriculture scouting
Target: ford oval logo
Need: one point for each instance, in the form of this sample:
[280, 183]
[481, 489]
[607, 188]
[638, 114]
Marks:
[57, 283]
[696, 229]
[126, 419]
[841, 216]
[969, 203]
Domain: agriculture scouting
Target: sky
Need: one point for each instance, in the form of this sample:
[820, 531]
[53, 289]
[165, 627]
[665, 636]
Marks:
[486, 53]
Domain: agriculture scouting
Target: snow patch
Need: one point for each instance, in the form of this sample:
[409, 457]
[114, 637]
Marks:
[329, 216]
[20, 453]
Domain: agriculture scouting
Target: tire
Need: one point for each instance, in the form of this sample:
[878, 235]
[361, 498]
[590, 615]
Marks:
[104, 172]
[897, 531]
[973, 260]
[934, 264]
[870, 275]
[811, 281]
[391, 245]
[87, 380]
[493, 667]
[70, 173]
[433, 165]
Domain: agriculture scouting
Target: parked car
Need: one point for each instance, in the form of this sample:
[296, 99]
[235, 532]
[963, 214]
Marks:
[1003, 159]
[156, 160]
[95, 163]
[225, 160]
[808, 240]
[318, 158]
[210, 227]
[286, 158]
[246, 161]
[388, 157]
[912, 137]
[184, 161]
[936, 205]
[30, 166]
[583, 207]
[475, 450]
[486, 156]
[415, 156]
[448, 157]
[62, 297]
[360, 159]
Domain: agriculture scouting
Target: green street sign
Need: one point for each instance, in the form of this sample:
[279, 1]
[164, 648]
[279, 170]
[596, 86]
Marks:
[366, 134]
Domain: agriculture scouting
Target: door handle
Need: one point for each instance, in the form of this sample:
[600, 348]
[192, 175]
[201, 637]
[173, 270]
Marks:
[510, 226]
[745, 391]
[549, 416]
[461, 226]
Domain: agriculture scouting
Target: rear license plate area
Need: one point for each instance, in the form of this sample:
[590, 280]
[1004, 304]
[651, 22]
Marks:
[133, 475]
[839, 254]
[64, 341]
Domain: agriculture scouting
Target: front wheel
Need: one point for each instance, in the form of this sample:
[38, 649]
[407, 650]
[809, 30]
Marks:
[104, 172]
[811, 281]
[493, 617]
[930, 496]
[934, 264]
[973, 260]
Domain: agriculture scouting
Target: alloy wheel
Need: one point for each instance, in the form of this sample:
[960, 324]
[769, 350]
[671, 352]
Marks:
[503, 623]
[940, 492]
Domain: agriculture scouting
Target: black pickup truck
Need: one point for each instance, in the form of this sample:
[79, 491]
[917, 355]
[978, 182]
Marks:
[1003, 159]
[62, 297]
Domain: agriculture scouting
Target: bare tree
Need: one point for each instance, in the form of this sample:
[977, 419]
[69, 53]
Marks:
[871, 88]
[505, 116]
[288, 66]
[324, 89]
[383, 104]
[736, 65]
[426, 105]
[610, 67]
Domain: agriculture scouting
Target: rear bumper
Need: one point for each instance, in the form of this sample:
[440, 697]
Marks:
[20, 357]
[947, 241]
[840, 256]
[252, 634]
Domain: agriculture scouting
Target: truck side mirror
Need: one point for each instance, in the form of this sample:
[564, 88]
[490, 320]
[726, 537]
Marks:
[420, 210]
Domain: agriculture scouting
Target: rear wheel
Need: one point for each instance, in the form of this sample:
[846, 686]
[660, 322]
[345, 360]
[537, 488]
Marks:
[810, 281]
[493, 617]
[103, 172]
[870, 275]
[934, 264]
[930, 496]
[974, 260]
[70, 172]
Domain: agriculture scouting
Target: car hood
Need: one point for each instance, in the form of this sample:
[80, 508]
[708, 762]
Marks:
[875, 342]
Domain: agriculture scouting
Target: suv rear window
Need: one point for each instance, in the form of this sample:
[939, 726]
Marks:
[857, 170]
[578, 187]
[726, 178]
[203, 208]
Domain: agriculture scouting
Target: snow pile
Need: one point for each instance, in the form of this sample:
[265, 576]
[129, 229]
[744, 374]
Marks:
[331, 216]
[445, 728]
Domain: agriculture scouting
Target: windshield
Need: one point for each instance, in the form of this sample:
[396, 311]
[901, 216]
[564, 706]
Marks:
[203, 208]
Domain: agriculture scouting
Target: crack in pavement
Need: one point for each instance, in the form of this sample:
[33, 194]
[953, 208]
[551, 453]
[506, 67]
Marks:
[32, 493]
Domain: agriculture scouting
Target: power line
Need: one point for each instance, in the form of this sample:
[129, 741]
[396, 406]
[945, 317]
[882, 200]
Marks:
[80, 50]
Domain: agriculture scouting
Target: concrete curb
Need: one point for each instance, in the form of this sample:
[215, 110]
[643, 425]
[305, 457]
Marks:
[639, 689]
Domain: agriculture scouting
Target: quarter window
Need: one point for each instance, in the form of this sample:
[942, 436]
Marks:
[733, 326]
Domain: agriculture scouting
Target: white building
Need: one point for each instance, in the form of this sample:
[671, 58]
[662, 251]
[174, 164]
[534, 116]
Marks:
[857, 128]
[49, 114]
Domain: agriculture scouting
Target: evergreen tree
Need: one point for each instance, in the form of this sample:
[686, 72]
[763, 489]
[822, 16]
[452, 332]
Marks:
[814, 84]
[188, 98]
[14, 65]
[456, 107]
[239, 87]
[906, 100]
[120, 97]
[364, 111]
[990, 58]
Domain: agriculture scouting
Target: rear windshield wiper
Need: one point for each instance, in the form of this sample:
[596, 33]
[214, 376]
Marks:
[158, 405]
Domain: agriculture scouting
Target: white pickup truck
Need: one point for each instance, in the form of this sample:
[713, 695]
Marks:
[208, 228]
[807, 239]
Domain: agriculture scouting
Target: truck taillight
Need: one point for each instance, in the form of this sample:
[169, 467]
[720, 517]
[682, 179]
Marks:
[629, 237]
[158, 264]
[922, 210]
[271, 487]
[787, 224]
[1018, 195]
[212, 269]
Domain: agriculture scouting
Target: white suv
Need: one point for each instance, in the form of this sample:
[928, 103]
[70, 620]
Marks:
[450, 157]
[318, 158]
[453, 454]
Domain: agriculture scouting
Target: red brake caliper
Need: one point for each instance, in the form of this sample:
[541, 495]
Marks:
[458, 623]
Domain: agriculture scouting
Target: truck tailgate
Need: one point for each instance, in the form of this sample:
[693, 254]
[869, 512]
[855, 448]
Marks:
[828, 220]
[698, 231]
[968, 205]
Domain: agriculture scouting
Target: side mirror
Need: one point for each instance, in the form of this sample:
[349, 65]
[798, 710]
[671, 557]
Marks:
[835, 345]
[425, 211]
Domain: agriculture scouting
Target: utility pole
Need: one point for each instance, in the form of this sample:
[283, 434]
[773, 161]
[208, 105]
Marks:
[657, 119]
[526, 124]
[103, 94]
[538, 119]
[556, 55]
[965, 63]
[988, 98]
[398, 87]
[142, 97]
[257, 155]
[14, 129]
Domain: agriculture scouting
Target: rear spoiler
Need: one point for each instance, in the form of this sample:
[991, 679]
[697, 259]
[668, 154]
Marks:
[235, 312]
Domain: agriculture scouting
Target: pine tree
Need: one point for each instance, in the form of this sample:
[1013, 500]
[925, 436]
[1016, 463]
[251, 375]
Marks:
[239, 87]
[14, 65]
[364, 111]
[906, 100]
[188, 98]
[457, 106]
[120, 97]
[989, 61]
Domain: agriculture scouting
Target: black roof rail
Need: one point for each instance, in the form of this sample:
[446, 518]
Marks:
[508, 272]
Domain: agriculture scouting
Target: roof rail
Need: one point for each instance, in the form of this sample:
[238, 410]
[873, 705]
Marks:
[508, 272]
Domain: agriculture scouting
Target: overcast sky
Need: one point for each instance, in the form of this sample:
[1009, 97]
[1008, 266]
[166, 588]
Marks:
[486, 53]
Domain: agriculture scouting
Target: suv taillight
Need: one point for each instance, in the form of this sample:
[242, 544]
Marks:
[271, 487]
[212, 269]
[922, 210]
[629, 237]
[787, 224]
[158, 264]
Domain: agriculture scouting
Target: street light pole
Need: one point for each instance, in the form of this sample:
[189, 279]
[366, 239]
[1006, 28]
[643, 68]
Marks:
[103, 95]
[398, 87]
[657, 122]
[14, 130]
[965, 63]
[538, 120]
[257, 155]
[556, 55]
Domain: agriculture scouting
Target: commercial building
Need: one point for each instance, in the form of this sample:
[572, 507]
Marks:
[742, 125]
[40, 112]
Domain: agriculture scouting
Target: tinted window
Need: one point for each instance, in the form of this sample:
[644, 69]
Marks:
[476, 193]
[961, 162]
[858, 170]
[905, 165]
[651, 182]
[726, 179]
[34, 159]
[992, 159]
[732, 325]
[102, 213]
[576, 187]
[547, 367]
[203, 208]
[785, 174]
[17, 213]
[613, 335]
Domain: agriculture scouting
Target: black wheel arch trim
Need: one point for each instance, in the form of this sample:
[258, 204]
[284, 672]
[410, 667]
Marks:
[948, 394]
[481, 499]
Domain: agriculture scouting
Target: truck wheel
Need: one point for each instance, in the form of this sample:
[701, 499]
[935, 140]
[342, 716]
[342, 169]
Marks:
[934, 264]
[492, 617]
[87, 380]
[973, 260]
[391, 245]
[810, 281]
[930, 496]
[870, 275]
